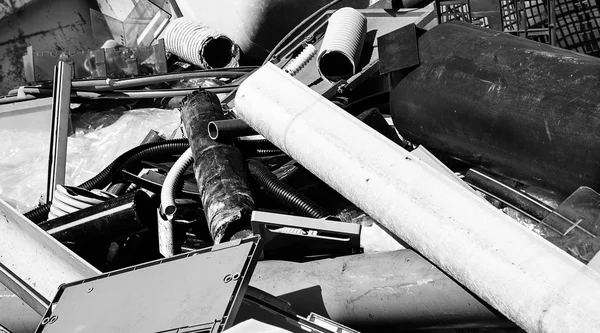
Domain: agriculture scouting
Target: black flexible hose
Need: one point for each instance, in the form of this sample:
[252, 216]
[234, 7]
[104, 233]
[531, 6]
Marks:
[257, 148]
[131, 156]
[283, 193]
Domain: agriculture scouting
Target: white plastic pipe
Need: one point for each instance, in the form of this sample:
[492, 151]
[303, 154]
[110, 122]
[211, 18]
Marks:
[532, 282]
[167, 203]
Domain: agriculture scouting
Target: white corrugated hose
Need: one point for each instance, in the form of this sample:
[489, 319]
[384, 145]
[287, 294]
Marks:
[342, 44]
[200, 45]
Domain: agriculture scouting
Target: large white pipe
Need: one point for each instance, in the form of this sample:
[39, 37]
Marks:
[532, 282]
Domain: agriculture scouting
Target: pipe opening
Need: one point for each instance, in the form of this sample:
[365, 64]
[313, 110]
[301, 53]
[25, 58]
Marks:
[217, 52]
[213, 130]
[335, 66]
[170, 210]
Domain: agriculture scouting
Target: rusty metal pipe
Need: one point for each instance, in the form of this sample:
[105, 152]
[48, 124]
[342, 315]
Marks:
[219, 169]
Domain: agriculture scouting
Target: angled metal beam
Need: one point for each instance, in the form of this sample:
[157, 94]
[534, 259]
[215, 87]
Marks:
[61, 99]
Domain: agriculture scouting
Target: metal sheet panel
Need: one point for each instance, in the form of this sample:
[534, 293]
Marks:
[200, 291]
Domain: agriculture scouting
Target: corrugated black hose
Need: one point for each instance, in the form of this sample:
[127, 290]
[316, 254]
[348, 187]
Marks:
[134, 155]
[283, 193]
[257, 148]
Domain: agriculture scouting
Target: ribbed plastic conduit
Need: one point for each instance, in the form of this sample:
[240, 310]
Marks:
[200, 45]
[342, 44]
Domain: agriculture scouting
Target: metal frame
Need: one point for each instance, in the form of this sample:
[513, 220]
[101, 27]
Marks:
[61, 100]
[307, 235]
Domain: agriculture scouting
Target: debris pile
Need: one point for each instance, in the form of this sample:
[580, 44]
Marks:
[377, 171]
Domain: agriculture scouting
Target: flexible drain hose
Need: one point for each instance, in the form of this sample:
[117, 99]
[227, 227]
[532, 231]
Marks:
[172, 181]
[342, 44]
[131, 156]
[68, 199]
[200, 45]
[168, 208]
[283, 193]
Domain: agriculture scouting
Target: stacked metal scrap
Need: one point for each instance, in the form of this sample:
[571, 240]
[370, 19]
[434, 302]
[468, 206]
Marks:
[374, 173]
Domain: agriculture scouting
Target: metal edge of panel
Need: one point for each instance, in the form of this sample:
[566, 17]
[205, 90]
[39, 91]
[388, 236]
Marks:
[219, 324]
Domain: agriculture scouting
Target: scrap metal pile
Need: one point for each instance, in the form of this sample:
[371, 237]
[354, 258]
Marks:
[377, 172]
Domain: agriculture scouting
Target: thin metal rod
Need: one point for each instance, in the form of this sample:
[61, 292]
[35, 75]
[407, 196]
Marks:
[60, 128]
[132, 94]
[552, 25]
[147, 80]
[23, 290]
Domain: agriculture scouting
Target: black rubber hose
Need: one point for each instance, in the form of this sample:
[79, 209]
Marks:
[131, 156]
[283, 193]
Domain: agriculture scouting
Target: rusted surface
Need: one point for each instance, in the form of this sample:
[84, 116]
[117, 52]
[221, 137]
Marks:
[51, 25]
[219, 168]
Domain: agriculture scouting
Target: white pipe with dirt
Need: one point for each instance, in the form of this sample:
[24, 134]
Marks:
[531, 281]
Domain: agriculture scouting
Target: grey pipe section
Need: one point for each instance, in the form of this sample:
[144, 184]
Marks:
[172, 181]
[167, 202]
[228, 129]
[373, 292]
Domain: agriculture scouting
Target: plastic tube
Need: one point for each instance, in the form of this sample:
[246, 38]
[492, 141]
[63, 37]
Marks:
[131, 94]
[103, 178]
[200, 45]
[172, 181]
[296, 64]
[283, 193]
[68, 199]
[342, 44]
[228, 129]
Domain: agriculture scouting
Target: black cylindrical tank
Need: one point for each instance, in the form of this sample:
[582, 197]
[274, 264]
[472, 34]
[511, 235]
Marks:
[515, 107]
